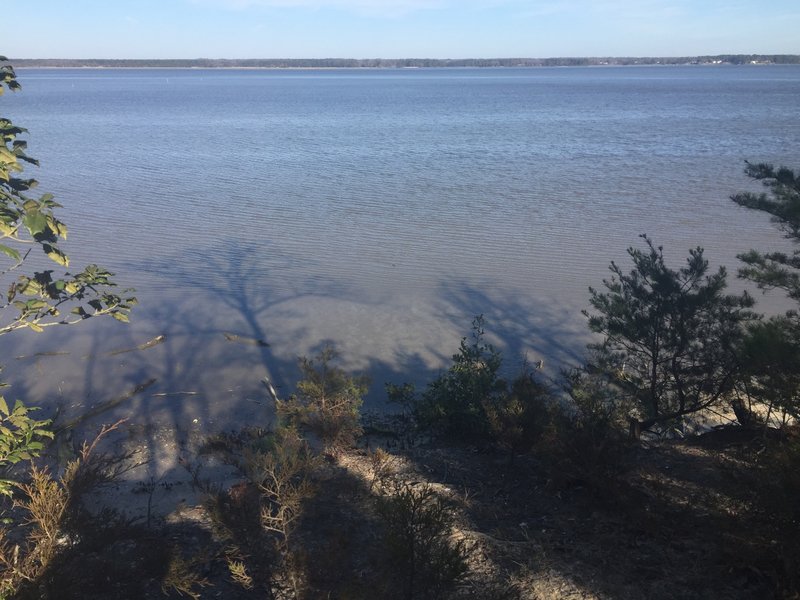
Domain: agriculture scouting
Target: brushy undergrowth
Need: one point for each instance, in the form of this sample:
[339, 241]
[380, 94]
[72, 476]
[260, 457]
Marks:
[426, 562]
[327, 403]
[258, 517]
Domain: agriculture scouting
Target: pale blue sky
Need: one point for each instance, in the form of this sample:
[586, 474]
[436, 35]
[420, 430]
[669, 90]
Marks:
[396, 28]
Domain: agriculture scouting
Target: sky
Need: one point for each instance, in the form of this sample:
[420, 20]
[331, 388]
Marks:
[152, 29]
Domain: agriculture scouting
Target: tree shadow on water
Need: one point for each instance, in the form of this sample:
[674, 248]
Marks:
[227, 297]
[525, 328]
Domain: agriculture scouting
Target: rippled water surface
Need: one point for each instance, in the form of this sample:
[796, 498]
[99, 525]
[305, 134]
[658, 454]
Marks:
[378, 210]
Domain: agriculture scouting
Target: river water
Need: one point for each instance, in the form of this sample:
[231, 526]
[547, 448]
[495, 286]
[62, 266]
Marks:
[378, 210]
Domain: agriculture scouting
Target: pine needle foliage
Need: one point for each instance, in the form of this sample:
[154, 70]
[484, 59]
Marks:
[327, 401]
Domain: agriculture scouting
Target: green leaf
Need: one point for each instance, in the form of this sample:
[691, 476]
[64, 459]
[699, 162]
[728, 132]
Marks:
[35, 221]
[56, 255]
[31, 288]
[35, 327]
[35, 304]
[7, 156]
[11, 252]
[122, 317]
[3, 406]
[7, 229]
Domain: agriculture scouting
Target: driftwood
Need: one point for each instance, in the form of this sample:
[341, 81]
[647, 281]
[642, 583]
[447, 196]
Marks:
[241, 339]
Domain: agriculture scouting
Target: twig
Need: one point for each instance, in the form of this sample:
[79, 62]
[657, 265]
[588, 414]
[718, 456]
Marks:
[104, 406]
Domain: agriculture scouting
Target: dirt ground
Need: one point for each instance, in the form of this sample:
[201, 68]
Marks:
[678, 519]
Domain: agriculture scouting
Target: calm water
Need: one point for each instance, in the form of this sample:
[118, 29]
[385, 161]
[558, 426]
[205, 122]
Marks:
[378, 210]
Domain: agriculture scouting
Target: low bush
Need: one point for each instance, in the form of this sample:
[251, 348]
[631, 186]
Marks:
[520, 416]
[454, 404]
[258, 517]
[327, 402]
[471, 403]
[51, 525]
[425, 561]
[586, 439]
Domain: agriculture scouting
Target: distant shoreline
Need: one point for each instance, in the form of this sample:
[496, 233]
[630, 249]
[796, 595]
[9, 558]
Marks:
[400, 63]
[156, 68]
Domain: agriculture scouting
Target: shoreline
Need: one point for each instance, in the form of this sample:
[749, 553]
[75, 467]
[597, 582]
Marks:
[430, 68]
[407, 63]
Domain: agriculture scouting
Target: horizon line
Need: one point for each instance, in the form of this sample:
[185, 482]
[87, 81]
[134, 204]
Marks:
[395, 58]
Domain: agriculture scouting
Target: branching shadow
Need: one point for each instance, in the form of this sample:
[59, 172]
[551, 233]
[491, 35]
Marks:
[523, 328]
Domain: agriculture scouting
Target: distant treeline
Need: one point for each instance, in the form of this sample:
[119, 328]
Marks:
[389, 63]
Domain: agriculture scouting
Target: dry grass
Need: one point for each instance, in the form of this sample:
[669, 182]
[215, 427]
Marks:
[684, 520]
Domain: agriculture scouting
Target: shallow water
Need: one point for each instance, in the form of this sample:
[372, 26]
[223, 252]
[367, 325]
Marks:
[378, 210]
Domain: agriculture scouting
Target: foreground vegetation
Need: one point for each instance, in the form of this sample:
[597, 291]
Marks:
[598, 484]
[541, 499]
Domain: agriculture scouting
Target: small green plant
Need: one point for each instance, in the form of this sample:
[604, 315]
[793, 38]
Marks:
[20, 438]
[425, 560]
[595, 400]
[586, 440]
[519, 417]
[454, 405]
[238, 571]
[44, 502]
[327, 402]
[50, 506]
[282, 476]
[182, 577]
[780, 475]
[258, 518]
[403, 424]
[471, 403]
[382, 466]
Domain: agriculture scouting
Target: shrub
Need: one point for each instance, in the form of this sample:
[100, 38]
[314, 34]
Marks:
[327, 402]
[454, 404]
[425, 561]
[258, 517]
[471, 403]
[282, 477]
[52, 516]
[182, 577]
[519, 417]
[586, 439]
